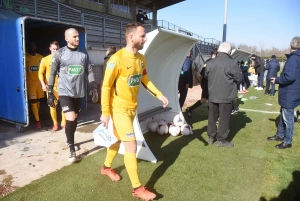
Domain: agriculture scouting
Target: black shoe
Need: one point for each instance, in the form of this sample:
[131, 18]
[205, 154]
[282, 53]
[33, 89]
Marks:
[283, 145]
[189, 112]
[211, 140]
[275, 138]
[225, 144]
[271, 94]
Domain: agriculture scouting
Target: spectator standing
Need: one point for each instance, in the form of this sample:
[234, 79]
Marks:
[204, 85]
[259, 71]
[185, 78]
[288, 96]
[223, 74]
[140, 17]
[273, 67]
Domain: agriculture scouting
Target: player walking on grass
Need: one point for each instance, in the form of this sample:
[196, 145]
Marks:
[35, 92]
[125, 70]
[72, 63]
[44, 74]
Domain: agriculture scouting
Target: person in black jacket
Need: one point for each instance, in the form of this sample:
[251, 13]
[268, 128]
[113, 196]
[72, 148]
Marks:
[204, 86]
[185, 78]
[140, 17]
[223, 75]
[259, 71]
[273, 67]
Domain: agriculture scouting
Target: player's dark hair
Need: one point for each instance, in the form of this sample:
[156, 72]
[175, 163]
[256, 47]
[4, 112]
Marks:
[132, 27]
[112, 49]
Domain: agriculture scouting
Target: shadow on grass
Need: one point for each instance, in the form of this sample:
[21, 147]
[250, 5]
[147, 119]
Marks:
[291, 193]
[237, 122]
[169, 153]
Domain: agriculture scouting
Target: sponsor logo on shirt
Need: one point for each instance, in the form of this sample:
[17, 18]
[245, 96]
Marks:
[130, 135]
[134, 80]
[74, 70]
[111, 65]
[34, 68]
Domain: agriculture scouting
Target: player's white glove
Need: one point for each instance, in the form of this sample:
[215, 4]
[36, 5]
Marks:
[94, 92]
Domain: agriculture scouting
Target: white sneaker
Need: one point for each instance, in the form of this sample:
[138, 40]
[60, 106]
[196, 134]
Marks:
[72, 157]
[260, 88]
[256, 87]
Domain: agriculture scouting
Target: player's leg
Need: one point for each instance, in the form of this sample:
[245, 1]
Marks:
[67, 104]
[32, 95]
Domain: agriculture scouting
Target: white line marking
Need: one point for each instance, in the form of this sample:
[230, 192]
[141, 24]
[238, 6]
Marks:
[261, 111]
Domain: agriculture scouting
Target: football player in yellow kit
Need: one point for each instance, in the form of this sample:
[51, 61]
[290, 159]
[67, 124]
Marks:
[34, 87]
[44, 73]
[125, 70]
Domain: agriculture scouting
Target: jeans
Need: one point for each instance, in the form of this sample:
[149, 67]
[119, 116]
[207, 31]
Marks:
[285, 127]
[268, 86]
[260, 79]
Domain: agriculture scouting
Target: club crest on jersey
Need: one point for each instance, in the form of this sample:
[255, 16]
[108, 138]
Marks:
[134, 80]
[74, 70]
[142, 64]
[34, 68]
[111, 65]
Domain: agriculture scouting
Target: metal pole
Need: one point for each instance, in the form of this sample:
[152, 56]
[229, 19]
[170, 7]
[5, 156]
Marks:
[225, 22]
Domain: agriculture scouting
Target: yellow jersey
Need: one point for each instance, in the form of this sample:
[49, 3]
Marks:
[32, 68]
[123, 75]
[45, 67]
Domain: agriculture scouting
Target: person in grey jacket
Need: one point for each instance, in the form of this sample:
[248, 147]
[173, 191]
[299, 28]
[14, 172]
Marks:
[223, 74]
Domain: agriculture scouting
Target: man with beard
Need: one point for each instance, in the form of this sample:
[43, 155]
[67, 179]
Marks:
[125, 70]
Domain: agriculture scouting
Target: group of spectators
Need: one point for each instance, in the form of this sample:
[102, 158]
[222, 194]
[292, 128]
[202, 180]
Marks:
[224, 85]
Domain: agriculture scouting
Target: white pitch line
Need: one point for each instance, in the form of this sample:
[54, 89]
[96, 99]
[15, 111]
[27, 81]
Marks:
[261, 111]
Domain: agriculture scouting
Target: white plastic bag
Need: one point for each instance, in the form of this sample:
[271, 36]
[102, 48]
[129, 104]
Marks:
[103, 137]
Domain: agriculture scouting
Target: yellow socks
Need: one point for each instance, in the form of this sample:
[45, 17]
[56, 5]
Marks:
[131, 167]
[53, 115]
[63, 118]
[112, 151]
[35, 111]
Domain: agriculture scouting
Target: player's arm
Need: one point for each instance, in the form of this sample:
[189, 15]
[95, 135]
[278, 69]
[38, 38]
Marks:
[110, 75]
[149, 86]
[91, 78]
[41, 74]
[54, 68]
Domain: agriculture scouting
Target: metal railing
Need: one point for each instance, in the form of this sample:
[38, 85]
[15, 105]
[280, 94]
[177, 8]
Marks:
[106, 22]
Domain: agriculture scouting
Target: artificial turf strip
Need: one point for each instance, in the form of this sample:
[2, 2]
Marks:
[188, 168]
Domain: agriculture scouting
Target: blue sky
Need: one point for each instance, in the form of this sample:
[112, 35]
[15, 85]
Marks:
[260, 23]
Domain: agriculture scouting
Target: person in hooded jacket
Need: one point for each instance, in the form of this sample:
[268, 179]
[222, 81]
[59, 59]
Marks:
[288, 96]
[273, 67]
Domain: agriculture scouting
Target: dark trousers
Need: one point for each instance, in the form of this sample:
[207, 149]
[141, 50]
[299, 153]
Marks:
[260, 79]
[182, 91]
[223, 112]
[268, 87]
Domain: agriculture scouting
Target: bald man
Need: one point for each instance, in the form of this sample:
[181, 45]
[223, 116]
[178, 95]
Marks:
[71, 63]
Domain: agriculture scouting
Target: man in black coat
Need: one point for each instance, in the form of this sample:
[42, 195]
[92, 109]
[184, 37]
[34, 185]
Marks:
[223, 74]
[259, 71]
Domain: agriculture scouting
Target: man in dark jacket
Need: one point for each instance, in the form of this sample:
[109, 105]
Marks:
[185, 78]
[288, 96]
[223, 74]
[259, 71]
[273, 67]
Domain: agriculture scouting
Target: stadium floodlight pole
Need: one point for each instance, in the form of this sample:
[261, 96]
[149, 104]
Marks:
[225, 22]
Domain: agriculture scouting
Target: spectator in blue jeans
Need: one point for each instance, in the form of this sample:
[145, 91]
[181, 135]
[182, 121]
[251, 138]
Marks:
[288, 96]
[273, 67]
